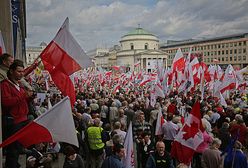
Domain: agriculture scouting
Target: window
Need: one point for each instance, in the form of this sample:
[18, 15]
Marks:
[244, 43]
[244, 57]
[223, 45]
[231, 44]
[239, 58]
[218, 52]
[235, 51]
[132, 46]
[230, 58]
[226, 51]
[223, 52]
[222, 59]
[240, 43]
[235, 58]
[244, 50]
[230, 51]
[226, 58]
[240, 50]
[146, 46]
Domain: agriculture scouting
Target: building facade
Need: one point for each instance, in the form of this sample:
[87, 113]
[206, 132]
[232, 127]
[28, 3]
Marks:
[230, 49]
[13, 27]
[100, 56]
[33, 53]
[140, 46]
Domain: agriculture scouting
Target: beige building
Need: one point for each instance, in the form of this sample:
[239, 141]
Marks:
[140, 46]
[232, 49]
[33, 52]
[99, 55]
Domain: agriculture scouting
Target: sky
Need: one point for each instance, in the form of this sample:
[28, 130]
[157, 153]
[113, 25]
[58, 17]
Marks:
[102, 23]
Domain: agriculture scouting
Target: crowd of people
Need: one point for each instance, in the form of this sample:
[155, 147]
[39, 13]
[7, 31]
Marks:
[102, 118]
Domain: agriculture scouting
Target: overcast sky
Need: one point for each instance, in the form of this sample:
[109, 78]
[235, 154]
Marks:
[102, 23]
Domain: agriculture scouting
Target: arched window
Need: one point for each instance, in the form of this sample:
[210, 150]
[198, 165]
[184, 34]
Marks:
[146, 46]
[131, 46]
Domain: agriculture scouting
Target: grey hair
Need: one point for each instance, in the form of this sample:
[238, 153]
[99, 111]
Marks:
[216, 141]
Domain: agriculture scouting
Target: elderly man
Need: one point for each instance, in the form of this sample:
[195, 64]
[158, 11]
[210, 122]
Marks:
[212, 156]
[159, 159]
[5, 61]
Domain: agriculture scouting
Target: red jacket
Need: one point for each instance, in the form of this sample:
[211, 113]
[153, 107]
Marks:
[172, 108]
[14, 102]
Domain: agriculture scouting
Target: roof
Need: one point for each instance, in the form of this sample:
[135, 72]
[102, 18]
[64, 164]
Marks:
[190, 42]
[138, 31]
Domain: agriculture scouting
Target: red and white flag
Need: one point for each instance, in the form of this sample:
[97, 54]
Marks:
[128, 160]
[159, 90]
[189, 137]
[116, 88]
[229, 80]
[159, 123]
[2, 46]
[117, 68]
[146, 79]
[137, 64]
[48, 127]
[62, 57]
[178, 61]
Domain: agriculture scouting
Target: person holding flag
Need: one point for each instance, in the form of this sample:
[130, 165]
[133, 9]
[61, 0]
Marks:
[15, 108]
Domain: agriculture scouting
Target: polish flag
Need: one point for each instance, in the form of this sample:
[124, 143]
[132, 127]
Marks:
[159, 123]
[128, 160]
[62, 57]
[117, 68]
[108, 73]
[48, 127]
[229, 80]
[145, 80]
[178, 61]
[137, 64]
[159, 90]
[195, 65]
[116, 88]
[2, 46]
[189, 137]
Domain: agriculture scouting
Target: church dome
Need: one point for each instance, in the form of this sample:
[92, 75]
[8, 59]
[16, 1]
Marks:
[138, 33]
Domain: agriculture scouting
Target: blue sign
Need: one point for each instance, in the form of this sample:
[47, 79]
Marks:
[15, 4]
